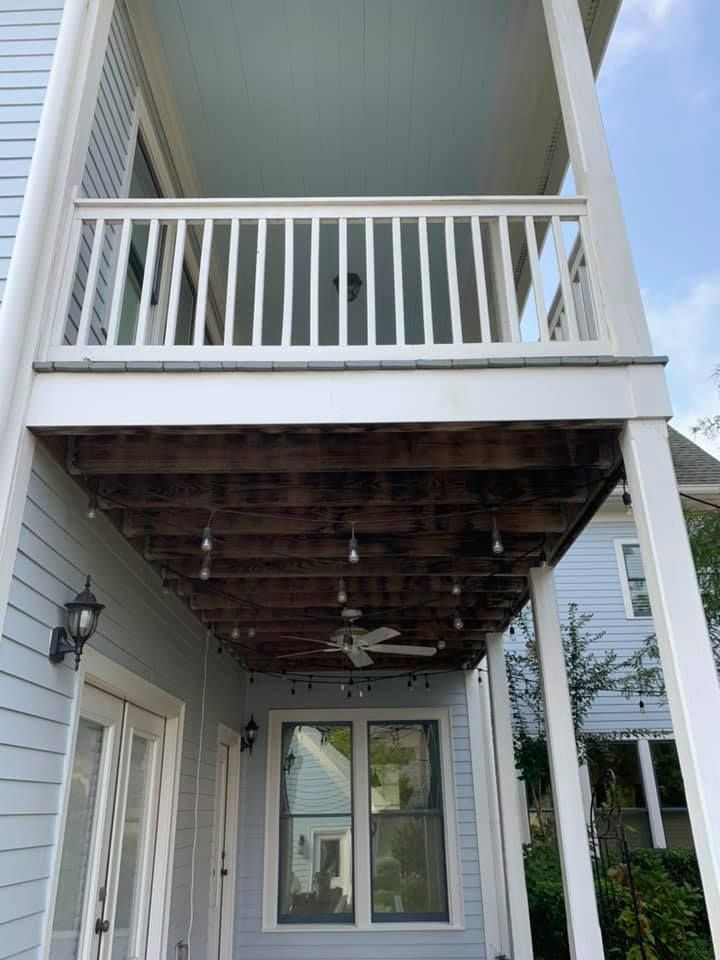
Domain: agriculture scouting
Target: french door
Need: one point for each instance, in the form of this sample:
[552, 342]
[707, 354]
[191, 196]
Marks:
[102, 905]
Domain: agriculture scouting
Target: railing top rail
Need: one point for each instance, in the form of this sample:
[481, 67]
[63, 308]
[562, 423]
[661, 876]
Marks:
[329, 207]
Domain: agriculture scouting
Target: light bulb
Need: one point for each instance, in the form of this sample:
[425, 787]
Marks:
[251, 633]
[347, 646]
[164, 581]
[206, 541]
[252, 677]
[342, 688]
[495, 539]
[457, 620]
[205, 567]
[235, 632]
[361, 694]
[440, 644]
[456, 588]
[369, 687]
[543, 558]
[353, 551]
[92, 508]
[342, 593]
[642, 706]
[410, 683]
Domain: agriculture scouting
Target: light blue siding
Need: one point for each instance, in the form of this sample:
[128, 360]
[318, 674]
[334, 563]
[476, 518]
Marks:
[151, 635]
[27, 43]
[251, 943]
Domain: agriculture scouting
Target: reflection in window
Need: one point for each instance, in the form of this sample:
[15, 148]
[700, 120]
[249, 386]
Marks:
[636, 580]
[622, 758]
[406, 822]
[316, 830]
[671, 789]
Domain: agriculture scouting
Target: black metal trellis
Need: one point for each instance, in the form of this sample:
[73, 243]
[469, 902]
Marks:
[610, 851]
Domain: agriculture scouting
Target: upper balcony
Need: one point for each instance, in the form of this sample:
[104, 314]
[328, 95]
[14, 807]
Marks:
[452, 250]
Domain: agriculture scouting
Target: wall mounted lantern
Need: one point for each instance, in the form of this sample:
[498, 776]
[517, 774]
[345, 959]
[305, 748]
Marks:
[82, 619]
[248, 739]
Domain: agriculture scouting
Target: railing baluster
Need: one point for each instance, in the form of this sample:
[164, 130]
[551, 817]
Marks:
[596, 320]
[536, 279]
[314, 268]
[231, 290]
[259, 298]
[286, 337]
[91, 283]
[568, 302]
[121, 267]
[480, 280]
[175, 283]
[342, 283]
[508, 280]
[398, 282]
[370, 279]
[147, 284]
[203, 283]
[67, 281]
[428, 333]
[453, 291]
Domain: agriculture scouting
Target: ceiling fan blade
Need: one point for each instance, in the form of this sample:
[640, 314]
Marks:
[378, 636]
[304, 653]
[405, 650]
[359, 658]
[324, 643]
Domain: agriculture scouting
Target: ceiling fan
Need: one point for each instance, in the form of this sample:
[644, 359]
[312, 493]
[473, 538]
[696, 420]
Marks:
[356, 642]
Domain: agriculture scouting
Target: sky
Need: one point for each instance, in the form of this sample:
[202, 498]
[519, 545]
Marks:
[659, 89]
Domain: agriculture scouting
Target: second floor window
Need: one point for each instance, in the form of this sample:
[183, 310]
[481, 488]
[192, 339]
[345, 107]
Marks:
[637, 600]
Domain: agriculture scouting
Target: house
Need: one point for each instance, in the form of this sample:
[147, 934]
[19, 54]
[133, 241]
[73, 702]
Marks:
[307, 365]
[637, 732]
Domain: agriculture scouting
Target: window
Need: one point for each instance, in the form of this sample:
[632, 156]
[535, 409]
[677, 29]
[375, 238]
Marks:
[671, 790]
[622, 758]
[365, 820]
[632, 578]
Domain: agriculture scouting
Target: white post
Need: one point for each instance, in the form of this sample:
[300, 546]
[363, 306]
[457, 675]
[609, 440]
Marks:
[586, 787]
[594, 178]
[524, 812]
[512, 828]
[487, 818]
[691, 679]
[573, 844]
[652, 796]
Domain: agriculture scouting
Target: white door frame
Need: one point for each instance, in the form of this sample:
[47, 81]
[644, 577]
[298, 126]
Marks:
[104, 673]
[220, 936]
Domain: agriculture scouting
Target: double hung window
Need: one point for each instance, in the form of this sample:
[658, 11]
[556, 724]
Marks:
[632, 578]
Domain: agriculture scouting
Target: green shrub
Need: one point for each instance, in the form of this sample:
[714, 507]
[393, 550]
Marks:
[546, 901]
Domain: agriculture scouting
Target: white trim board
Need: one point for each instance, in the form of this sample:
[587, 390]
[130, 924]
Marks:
[361, 814]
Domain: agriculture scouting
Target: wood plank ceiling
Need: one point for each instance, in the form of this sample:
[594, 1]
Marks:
[281, 503]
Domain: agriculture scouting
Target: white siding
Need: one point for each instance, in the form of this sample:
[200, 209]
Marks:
[251, 943]
[152, 635]
[28, 32]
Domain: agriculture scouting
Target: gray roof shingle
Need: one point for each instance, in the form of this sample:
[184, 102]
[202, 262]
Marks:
[693, 465]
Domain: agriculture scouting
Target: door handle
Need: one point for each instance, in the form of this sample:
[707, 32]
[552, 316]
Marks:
[101, 926]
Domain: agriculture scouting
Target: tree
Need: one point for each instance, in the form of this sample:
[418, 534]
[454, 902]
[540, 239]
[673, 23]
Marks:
[709, 427]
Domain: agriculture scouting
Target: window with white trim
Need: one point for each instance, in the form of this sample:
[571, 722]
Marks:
[360, 820]
[632, 576]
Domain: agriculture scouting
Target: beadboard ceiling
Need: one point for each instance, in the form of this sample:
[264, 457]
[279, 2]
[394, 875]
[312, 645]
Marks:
[363, 97]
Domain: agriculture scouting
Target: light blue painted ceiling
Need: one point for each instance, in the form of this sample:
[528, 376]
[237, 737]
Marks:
[361, 97]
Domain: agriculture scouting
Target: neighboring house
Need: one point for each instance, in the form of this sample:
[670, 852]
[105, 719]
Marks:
[308, 365]
[617, 596]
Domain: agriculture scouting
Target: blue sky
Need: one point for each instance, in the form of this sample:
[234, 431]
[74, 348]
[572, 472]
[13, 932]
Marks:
[660, 94]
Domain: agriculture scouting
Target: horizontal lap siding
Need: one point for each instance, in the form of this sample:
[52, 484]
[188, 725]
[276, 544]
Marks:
[149, 634]
[28, 33]
[251, 943]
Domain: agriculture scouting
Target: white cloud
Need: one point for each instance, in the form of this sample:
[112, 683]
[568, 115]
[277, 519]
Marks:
[641, 25]
[687, 329]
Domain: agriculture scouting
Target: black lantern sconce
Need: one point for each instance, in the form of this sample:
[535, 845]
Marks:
[353, 286]
[248, 738]
[82, 619]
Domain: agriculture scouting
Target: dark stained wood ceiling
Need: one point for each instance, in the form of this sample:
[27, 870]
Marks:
[282, 500]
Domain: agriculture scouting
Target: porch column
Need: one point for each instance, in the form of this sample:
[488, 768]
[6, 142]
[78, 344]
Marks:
[580, 904]
[512, 827]
[652, 795]
[691, 679]
[621, 304]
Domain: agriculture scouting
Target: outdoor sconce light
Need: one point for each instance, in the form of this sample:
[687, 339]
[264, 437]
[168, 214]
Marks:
[82, 619]
[248, 739]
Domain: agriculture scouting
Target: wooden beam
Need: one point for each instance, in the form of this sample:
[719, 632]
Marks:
[279, 602]
[284, 568]
[314, 625]
[358, 586]
[480, 449]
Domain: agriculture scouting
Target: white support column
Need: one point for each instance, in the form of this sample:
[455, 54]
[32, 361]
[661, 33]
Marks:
[693, 690]
[526, 836]
[652, 796]
[580, 904]
[619, 290]
[512, 828]
[586, 787]
[487, 818]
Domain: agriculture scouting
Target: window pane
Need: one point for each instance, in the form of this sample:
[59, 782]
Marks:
[667, 773]
[622, 759]
[316, 833]
[636, 580]
[407, 829]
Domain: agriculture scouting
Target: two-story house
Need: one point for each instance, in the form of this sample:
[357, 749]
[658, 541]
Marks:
[310, 368]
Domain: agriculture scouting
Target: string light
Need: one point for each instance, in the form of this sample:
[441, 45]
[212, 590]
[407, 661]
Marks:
[496, 543]
[235, 632]
[342, 592]
[440, 644]
[626, 498]
[641, 704]
[427, 682]
[92, 507]
[206, 541]
[292, 689]
[353, 551]
[457, 620]
[310, 683]
[165, 586]
[205, 567]
[369, 687]
[251, 633]
[512, 630]
[456, 589]
[251, 678]
[349, 689]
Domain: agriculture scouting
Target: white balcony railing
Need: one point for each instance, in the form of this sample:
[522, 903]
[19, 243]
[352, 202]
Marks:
[359, 279]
